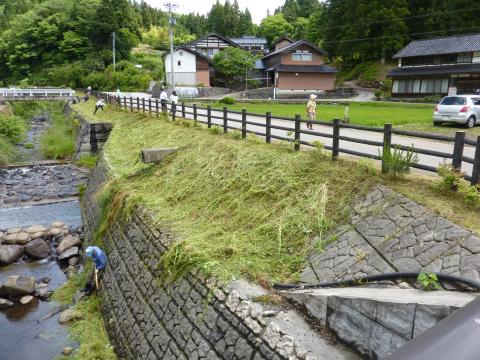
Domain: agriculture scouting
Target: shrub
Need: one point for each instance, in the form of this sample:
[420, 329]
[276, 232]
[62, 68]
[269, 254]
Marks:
[227, 100]
[397, 162]
[12, 127]
[450, 178]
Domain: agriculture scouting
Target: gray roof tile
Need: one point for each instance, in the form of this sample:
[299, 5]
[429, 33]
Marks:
[438, 46]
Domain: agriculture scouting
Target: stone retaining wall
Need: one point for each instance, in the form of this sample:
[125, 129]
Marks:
[192, 318]
[91, 137]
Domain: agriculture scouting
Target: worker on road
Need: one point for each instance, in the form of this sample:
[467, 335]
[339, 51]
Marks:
[100, 261]
[311, 110]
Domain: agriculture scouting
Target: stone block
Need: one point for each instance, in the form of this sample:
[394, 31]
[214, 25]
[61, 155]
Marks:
[156, 155]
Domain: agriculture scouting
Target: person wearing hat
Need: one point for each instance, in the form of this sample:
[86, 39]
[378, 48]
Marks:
[311, 110]
[100, 260]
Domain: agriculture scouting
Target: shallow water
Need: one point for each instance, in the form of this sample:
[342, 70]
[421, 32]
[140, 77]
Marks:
[24, 333]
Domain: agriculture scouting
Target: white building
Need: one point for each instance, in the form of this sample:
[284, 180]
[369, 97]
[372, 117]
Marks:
[190, 67]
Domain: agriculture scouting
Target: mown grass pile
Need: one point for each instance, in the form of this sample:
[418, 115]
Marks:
[239, 208]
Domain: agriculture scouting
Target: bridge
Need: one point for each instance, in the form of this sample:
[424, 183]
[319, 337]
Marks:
[36, 94]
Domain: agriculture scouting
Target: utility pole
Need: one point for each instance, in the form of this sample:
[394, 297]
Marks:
[171, 23]
[113, 48]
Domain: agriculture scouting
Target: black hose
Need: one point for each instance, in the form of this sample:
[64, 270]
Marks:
[378, 277]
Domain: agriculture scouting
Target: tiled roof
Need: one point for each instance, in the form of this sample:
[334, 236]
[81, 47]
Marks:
[184, 48]
[435, 70]
[325, 69]
[249, 40]
[281, 39]
[292, 46]
[438, 46]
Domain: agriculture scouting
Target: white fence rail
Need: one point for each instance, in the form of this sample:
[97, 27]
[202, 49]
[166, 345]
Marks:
[36, 92]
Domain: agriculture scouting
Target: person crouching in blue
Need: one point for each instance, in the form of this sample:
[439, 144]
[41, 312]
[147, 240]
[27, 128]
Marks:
[100, 260]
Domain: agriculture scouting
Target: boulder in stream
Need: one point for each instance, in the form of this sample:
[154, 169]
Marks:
[21, 238]
[5, 304]
[68, 242]
[68, 253]
[10, 253]
[69, 316]
[38, 249]
[19, 285]
[26, 299]
[36, 229]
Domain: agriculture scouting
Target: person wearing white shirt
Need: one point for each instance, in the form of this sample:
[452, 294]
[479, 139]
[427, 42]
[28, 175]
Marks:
[99, 105]
[163, 100]
[173, 102]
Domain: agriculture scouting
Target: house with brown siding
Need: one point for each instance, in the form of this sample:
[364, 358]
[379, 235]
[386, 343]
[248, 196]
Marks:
[299, 65]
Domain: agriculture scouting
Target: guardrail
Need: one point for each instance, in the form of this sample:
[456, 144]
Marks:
[36, 92]
[226, 120]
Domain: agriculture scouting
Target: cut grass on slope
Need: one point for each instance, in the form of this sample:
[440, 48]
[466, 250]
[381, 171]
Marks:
[243, 208]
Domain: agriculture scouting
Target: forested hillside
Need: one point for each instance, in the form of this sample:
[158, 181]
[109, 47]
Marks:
[68, 42]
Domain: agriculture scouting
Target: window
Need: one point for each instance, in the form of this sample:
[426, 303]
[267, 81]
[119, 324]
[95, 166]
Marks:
[464, 58]
[401, 86]
[454, 100]
[444, 88]
[302, 56]
[179, 63]
[395, 87]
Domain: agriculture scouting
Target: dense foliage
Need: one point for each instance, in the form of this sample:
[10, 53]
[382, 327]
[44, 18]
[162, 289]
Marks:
[233, 62]
[64, 42]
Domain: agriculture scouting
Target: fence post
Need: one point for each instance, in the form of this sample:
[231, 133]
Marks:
[138, 103]
[244, 123]
[150, 106]
[225, 119]
[156, 107]
[335, 139]
[173, 110]
[131, 104]
[268, 129]
[209, 116]
[195, 112]
[183, 110]
[297, 132]
[125, 102]
[387, 143]
[476, 164]
[458, 150]
[143, 106]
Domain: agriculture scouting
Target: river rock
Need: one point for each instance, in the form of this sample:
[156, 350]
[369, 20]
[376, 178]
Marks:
[57, 224]
[69, 315]
[26, 299]
[2, 236]
[38, 249]
[45, 280]
[55, 231]
[68, 242]
[68, 253]
[42, 291]
[14, 230]
[73, 261]
[10, 253]
[17, 238]
[19, 285]
[67, 351]
[35, 229]
[5, 304]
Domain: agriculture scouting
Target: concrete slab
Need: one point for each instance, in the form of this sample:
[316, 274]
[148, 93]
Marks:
[156, 155]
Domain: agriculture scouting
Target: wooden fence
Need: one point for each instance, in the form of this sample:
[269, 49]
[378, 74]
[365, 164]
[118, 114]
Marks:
[210, 117]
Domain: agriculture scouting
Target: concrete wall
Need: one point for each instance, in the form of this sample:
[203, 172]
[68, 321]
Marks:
[193, 318]
[305, 81]
[91, 137]
[187, 62]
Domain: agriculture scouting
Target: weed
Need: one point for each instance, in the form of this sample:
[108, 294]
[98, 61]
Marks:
[28, 146]
[7, 151]
[215, 130]
[235, 134]
[87, 161]
[58, 141]
[81, 190]
[398, 162]
[227, 100]
[428, 280]
[451, 177]
[368, 165]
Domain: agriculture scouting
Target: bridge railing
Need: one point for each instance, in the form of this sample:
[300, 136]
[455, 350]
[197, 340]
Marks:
[35, 92]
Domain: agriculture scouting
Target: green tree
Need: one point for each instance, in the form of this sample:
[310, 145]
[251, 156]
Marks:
[233, 62]
[301, 27]
[274, 27]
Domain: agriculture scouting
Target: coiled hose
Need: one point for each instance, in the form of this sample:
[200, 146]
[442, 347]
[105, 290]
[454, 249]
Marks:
[379, 277]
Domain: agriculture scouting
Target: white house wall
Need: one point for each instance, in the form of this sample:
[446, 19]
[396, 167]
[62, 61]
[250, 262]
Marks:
[183, 78]
[188, 63]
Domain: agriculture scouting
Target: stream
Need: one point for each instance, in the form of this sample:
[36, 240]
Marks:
[39, 209]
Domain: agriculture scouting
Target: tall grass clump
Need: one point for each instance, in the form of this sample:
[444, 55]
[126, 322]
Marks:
[7, 151]
[58, 141]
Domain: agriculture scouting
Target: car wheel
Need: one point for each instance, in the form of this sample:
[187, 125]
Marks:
[436, 123]
[470, 122]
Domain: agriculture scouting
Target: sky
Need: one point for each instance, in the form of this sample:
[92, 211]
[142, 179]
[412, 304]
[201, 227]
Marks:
[258, 8]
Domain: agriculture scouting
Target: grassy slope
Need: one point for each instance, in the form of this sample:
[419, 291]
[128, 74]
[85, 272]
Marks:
[242, 210]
